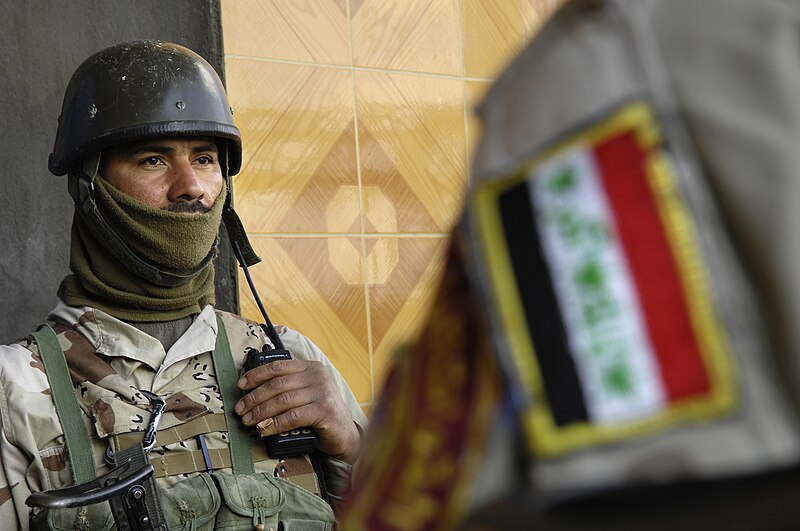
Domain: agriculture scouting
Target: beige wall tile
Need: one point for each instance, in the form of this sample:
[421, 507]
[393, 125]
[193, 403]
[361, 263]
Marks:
[375, 159]
[299, 168]
[494, 31]
[401, 292]
[411, 35]
[316, 286]
[412, 145]
[300, 30]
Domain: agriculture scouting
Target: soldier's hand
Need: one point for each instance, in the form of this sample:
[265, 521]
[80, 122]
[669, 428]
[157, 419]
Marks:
[297, 394]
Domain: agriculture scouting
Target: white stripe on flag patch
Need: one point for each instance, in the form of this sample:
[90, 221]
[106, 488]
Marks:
[614, 358]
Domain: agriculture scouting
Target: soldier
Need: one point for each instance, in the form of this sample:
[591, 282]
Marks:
[616, 341]
[136, 375]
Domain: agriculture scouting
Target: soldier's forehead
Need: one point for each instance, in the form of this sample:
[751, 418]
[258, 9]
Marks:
[166, 143]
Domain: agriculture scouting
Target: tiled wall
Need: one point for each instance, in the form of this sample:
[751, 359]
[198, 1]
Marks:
[355, 116]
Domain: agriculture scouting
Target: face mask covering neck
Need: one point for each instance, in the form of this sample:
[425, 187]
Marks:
[176, 243]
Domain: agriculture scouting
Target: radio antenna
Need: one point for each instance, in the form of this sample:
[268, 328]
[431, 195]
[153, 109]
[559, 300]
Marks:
[273, 335]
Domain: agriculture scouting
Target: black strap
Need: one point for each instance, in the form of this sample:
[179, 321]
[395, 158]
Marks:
[139, 459]
[237, 234]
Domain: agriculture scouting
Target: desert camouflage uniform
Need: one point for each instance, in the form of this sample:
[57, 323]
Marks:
[109, 362]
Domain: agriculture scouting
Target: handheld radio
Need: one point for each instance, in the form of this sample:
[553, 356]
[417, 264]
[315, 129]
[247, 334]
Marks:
[297, 442]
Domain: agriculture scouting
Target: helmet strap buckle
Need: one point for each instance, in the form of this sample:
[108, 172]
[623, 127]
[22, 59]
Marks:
[86, 173]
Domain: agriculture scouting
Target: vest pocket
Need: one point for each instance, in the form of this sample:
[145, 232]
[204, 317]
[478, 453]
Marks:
[303, 511]
[254, 498]
[191, 503]
[96, 517]
[273, 502]
[294, 524]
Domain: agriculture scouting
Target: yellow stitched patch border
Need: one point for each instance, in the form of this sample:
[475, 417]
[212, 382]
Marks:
[596, 257]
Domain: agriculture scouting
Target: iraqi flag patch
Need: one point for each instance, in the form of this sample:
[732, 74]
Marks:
[601, 291]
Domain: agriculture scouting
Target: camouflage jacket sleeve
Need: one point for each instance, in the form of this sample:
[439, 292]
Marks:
[12, 493]
[337, 473]
[16, 366]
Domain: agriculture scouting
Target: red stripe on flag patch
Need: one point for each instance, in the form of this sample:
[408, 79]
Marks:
[622, 164]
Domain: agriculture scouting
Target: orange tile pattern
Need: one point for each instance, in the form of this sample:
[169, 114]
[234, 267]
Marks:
[357, 130]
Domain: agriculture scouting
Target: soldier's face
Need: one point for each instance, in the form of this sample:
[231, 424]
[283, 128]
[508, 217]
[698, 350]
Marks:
[181, 174]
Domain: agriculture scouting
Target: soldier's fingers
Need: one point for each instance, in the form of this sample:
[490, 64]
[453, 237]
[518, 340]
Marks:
[277, 404]
[276, 386]
[255, 377]
[297, 418]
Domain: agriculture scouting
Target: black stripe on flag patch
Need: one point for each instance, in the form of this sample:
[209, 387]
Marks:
[542, 313]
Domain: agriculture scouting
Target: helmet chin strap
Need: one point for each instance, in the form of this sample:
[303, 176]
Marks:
[233, 225]
[81, 188]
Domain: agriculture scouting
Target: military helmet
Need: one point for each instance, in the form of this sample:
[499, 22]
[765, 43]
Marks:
[137, 90]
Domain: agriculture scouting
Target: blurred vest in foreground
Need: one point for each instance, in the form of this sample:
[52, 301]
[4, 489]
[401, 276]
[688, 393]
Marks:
[616, 338]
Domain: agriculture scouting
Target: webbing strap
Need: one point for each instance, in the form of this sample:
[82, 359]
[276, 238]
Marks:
[174, 463]
[182, 432]
[188, 462]
[227, 377]
[67, 408]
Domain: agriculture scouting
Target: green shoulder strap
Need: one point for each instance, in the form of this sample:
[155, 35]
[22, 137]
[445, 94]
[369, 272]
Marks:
[71, 417]
[69, 413]
[227, 377]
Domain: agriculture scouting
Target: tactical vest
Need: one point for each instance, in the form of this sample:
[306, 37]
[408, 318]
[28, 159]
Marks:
[196, 489]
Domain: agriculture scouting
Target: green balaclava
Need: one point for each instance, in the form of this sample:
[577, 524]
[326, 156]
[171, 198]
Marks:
[135, 262]
[176, 243]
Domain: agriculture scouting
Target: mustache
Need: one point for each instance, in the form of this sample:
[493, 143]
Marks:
[188, 207]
